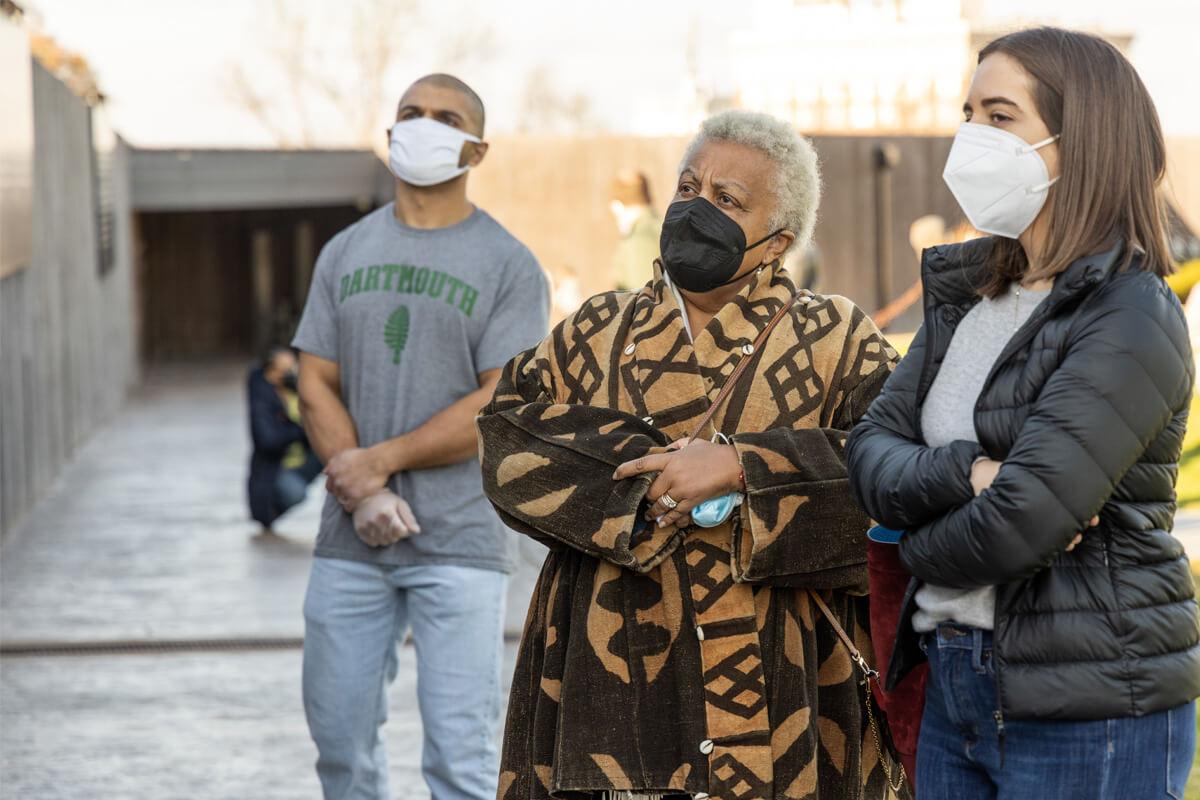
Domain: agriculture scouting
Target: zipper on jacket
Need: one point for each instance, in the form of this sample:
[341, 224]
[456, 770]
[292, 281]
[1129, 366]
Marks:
[1022, 338]
[998, 714]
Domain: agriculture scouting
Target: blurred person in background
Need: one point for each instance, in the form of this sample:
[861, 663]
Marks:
[413, 311]
[566, 291]
[282, 464]
[1027, 448]
[639, 227]
[676, 644]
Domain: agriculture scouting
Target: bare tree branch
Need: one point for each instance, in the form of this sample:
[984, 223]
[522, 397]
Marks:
[353, 82]
[546, 108]
[242, 91]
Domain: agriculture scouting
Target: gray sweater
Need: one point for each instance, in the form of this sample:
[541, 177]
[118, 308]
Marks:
[949, 415]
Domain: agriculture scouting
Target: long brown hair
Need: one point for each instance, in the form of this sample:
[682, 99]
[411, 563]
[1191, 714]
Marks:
[1112, 157]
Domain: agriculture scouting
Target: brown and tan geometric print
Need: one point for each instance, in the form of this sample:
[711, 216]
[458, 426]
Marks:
[680, 663]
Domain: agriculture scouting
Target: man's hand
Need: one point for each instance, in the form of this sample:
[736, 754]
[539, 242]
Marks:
[353, 476]
[383, 519]
[984, 472]
[688, 476]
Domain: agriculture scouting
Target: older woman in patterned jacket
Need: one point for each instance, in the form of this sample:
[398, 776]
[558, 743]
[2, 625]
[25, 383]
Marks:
[661, 657]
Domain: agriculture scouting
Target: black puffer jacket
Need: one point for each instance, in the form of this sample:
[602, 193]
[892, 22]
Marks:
[1086, 407]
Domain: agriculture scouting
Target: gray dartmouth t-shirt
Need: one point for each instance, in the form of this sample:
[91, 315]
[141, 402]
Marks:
[412, 316]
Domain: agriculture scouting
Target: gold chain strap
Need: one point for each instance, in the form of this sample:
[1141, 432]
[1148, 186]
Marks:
[901, 777]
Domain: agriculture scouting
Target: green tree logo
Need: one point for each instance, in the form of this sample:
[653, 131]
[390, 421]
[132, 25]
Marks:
[395, 333]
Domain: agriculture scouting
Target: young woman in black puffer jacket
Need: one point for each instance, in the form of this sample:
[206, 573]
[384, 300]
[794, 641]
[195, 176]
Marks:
[1028, 447]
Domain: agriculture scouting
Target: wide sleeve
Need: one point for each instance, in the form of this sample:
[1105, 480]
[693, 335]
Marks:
[548, 466]
[1126, 374]
[896, 478]
[799, 524]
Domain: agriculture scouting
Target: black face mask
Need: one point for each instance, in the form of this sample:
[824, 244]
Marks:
[701, 248]
[290, 381]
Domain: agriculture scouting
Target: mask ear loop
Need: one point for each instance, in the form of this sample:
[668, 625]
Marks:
[747, 249]
[1033, 148]
[766, 238]
[1041, 187]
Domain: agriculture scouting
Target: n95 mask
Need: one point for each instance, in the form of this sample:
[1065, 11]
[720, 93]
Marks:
[998, 178]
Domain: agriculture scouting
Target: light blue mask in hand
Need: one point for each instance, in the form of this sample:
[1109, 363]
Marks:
[715, 510]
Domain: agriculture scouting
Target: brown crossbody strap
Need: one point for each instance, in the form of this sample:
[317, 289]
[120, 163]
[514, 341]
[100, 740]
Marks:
[896, 783]
[744, 363]
[868, 673]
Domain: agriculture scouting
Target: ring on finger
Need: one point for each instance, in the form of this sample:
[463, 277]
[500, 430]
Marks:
[668, 501]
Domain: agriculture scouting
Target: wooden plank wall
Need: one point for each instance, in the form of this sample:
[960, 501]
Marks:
[553, 193]
[194, 272]
[67, 334]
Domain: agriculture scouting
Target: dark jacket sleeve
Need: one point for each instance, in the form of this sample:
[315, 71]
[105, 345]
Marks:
[1126, 373]
[799, 524]
[270, 429]
[897, 479]
[548, 466]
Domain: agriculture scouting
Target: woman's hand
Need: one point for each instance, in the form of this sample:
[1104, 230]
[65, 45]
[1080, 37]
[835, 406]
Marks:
[1093, 522]
[984, 472]
[688, 475]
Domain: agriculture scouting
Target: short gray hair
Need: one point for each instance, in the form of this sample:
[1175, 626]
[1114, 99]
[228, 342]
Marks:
[797, 177]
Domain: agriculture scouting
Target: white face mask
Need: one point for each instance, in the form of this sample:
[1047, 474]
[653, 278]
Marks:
[425, 152]
[998, 179]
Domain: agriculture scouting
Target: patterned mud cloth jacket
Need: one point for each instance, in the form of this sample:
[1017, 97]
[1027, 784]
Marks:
[688, 662]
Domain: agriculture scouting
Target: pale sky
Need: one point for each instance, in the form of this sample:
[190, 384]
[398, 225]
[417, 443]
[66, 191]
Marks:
[165, 64]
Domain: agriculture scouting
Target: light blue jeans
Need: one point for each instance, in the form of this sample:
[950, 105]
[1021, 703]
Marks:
[355, 615]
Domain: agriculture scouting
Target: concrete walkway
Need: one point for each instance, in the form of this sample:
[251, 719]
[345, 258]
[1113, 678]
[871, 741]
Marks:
[146, 539]
[146, 535]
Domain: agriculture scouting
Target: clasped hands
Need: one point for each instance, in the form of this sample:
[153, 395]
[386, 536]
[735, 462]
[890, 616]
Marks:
[687, 476]
[984, 472]
[358, 481]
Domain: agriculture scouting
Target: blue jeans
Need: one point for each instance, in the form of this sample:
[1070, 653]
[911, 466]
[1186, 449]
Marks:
[355, 615]
[291, 485]
[959, 753]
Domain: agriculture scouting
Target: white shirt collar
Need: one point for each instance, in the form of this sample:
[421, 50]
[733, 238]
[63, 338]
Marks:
[687, 326]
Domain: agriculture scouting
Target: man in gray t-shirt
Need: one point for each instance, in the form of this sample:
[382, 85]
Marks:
[412, 312]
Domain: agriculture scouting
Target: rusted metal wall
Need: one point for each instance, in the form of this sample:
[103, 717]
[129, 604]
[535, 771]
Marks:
[553, 193]
[67, 352]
